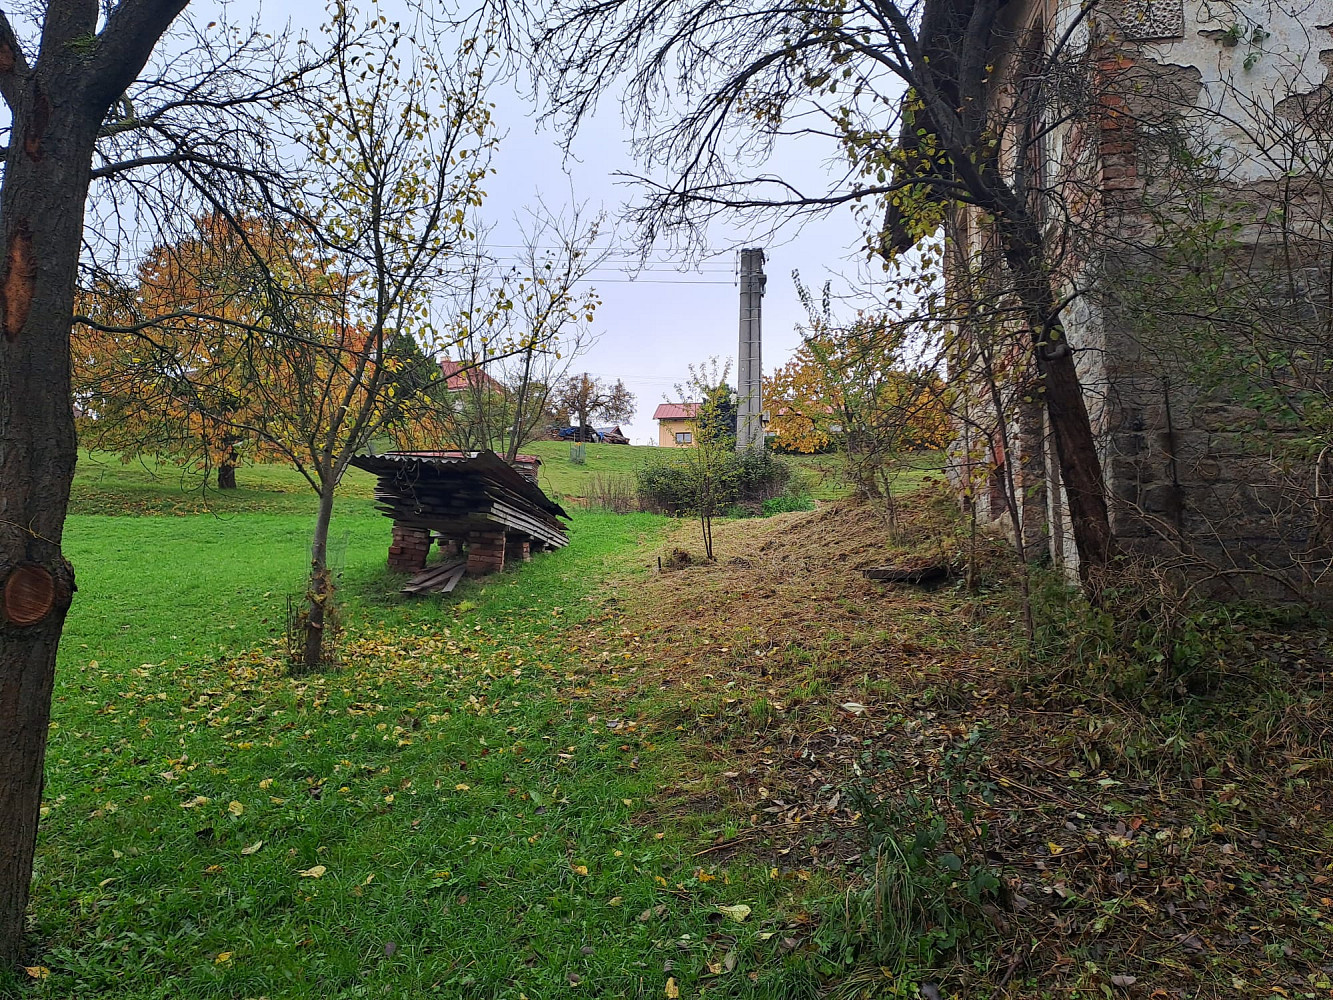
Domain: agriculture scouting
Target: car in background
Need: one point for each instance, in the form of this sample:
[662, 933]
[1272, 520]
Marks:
[572, 434]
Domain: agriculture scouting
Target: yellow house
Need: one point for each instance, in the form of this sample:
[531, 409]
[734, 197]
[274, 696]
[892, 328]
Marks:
[675, 424]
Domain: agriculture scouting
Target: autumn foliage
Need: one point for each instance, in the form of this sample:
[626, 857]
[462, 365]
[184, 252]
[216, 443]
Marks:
[201, 360]
[852, 390]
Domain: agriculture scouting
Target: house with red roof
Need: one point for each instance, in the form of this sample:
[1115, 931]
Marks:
[458, 377]
[675, 424]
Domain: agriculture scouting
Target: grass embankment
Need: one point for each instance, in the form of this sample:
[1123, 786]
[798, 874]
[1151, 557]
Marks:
[1080, 816]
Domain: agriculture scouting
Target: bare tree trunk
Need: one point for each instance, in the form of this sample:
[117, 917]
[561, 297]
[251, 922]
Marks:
[1075, 444]
[227, 472]
[320, 592]
[516, 433]
[41, 224]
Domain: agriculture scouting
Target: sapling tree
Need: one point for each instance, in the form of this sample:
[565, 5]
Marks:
[394, 162]
[708, 465]
[310, 327]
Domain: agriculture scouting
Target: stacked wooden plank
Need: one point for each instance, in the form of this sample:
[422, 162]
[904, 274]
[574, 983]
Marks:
[438, 579]
[474, 499]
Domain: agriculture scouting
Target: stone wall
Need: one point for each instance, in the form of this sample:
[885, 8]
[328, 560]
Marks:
[1185, 133]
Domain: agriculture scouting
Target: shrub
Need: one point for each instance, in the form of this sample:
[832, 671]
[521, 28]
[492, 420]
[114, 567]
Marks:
[664, 487]
[786, 504]
[616, 494]
[752, 480]
[759, 476]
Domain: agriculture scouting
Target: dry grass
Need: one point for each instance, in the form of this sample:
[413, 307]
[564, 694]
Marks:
[1182, 844]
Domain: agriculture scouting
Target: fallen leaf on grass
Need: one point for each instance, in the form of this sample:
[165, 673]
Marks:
[224, 956]
[854, 707]
[252, 848]
[316, 872]
[579, 869]
[739, 912]
[37, 971]
[672, 990]
[235, 808]
[198, 800]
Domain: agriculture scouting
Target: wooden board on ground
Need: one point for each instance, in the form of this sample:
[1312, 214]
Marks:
[438, 579]
[917, 575]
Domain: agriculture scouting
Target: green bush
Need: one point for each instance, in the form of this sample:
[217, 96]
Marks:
[752, 483]
[788, 503]
[664, 487]
[1144, 642]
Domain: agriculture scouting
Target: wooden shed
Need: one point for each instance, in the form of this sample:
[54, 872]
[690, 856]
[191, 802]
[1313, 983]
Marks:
[483, 512]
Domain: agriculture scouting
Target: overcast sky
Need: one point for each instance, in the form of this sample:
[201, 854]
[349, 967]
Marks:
[653, 324]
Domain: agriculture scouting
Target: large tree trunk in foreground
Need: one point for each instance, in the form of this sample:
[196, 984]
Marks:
[57, 107]
[1062, 393]
[41, 226]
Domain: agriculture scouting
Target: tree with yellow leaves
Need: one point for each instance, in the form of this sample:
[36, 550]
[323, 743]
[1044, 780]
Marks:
[307, 329]
[852, 386]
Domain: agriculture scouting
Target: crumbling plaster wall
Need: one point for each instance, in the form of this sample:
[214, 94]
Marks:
[1190, 473]
[1230, 76]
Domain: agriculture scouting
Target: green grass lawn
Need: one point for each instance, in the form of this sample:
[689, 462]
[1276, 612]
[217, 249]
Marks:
[560, 476]
[449, 814]
[105, 484]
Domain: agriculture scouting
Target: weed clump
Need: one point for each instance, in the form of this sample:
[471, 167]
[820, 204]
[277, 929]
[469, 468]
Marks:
[677, 558]
[929, 884]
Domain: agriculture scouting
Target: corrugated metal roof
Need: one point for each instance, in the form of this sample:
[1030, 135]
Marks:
[483, 465]
[676, 411]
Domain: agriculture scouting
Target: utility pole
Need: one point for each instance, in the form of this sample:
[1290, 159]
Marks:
[749, 360]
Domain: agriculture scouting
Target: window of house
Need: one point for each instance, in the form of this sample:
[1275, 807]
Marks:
[684, 437]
